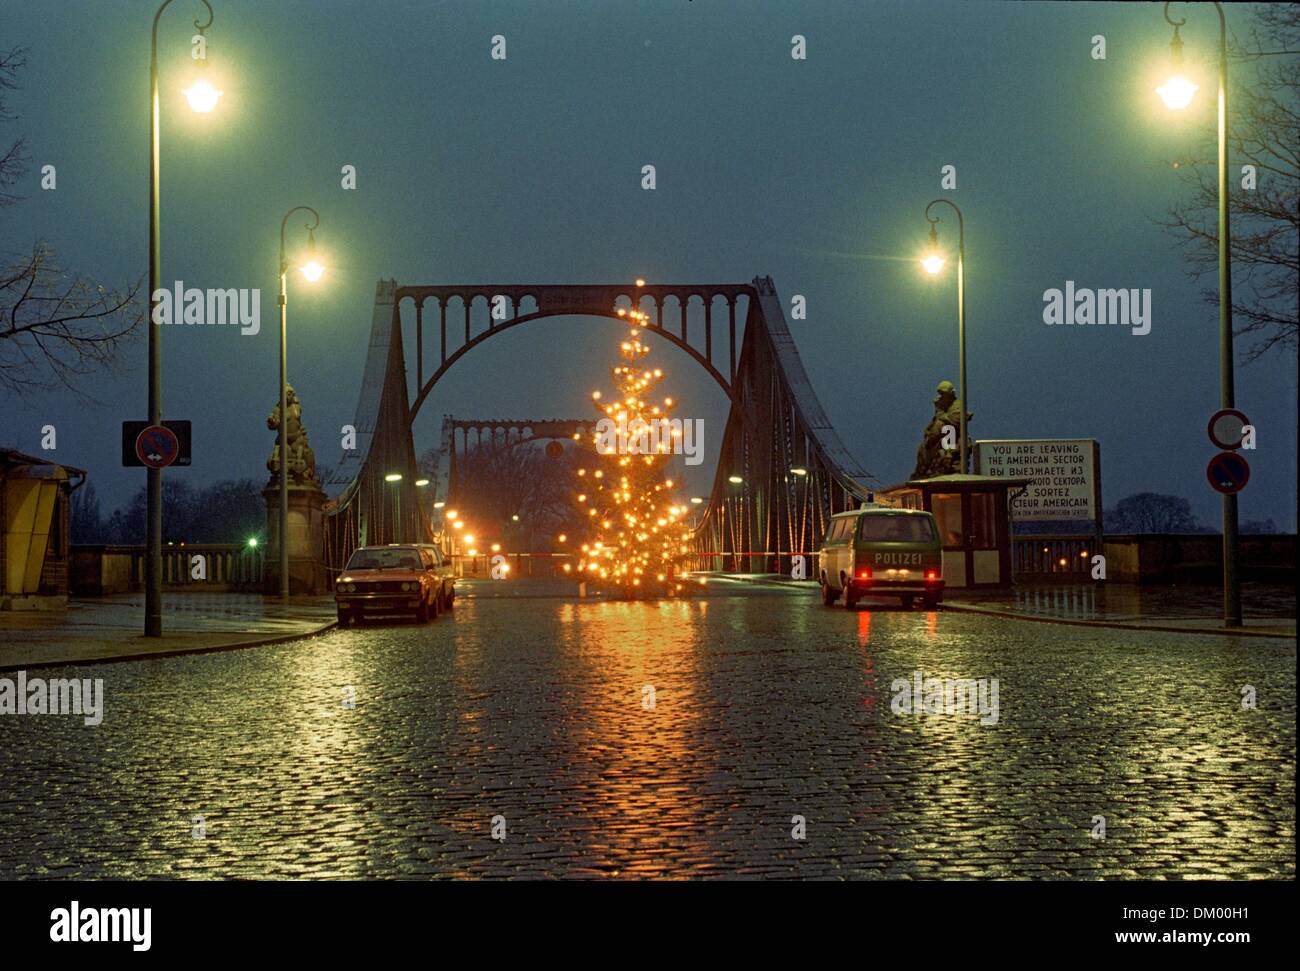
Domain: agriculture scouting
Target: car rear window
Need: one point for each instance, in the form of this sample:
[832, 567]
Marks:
[384, 560]
[896, 529]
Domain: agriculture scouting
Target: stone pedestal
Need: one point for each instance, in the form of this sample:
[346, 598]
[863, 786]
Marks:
[306, 540]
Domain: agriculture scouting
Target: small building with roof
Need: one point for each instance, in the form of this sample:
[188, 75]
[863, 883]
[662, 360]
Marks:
[972, 512]
[35, 510]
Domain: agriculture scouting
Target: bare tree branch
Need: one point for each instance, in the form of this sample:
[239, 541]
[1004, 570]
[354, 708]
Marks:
[55, 326]
[1265, 221]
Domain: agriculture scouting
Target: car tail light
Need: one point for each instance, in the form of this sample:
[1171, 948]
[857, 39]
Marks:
[864, 573]
[932, 574]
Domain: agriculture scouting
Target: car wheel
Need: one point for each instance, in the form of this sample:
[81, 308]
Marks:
[828, 593]
[345, 618]
[435, 605]
[422, 613]
[907, 603]
[850, 601]
[451, 597]
[931, 602]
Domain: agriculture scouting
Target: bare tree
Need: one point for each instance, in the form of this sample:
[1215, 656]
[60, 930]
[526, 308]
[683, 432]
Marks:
[1151, 512]
[1264, 131]
[54, 325]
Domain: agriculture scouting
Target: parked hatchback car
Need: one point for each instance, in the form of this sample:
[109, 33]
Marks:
[882, 550]
[395, 579]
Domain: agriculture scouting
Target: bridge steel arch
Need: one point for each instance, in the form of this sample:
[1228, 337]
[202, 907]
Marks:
[775, 423]
[501, 433]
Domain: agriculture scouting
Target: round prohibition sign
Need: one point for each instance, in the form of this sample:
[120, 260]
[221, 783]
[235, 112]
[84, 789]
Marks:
[1225, 428]
[157, 447]
[1228, 472]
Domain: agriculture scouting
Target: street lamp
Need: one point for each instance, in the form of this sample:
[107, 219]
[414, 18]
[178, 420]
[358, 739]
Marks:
[153, 477]
[312, 271]
[933, 263]
[1177, 93]
[392, 478]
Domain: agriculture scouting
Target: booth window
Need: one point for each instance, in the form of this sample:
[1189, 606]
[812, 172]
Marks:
[946, 507]
[983, 520]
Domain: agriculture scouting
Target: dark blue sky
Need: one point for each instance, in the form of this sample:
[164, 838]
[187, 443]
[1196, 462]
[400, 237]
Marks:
[528, 171]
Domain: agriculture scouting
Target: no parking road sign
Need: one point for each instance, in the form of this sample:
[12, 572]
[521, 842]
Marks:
[155, 446]
[1228, 472]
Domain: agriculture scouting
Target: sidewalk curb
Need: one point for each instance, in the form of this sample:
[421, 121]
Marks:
[1117, 625]
[1020, 615]
[169, 652]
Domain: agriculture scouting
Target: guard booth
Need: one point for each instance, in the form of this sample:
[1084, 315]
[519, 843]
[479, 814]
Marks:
[35, 509]
[971, 511]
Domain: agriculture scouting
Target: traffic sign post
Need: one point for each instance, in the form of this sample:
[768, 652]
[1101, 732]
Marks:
[154, 445]
[1228, 472]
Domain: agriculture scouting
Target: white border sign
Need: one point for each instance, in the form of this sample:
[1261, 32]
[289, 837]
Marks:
[1064, 476]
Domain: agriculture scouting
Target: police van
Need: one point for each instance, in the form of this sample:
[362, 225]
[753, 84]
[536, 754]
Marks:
[882, 550]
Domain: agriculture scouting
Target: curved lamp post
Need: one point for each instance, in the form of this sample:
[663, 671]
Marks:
[933, 263]
[1177, 93]
[202, 97]
[312, 270]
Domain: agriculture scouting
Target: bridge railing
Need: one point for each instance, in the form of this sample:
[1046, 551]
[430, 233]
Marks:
[102, 569]
[1063, 557]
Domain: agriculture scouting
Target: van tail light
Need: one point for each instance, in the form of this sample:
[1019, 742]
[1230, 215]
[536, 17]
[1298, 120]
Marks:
[864, 573]
[932, 574]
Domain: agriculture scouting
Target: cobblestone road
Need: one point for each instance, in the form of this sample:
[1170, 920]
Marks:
[766, 706]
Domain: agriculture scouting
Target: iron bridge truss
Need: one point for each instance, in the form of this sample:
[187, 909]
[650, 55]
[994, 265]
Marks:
[793, 470]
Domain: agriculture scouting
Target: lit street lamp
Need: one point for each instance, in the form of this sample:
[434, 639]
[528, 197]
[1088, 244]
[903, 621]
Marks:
[202, 100]
[312, 270]
[933, 262]
[1177, 93]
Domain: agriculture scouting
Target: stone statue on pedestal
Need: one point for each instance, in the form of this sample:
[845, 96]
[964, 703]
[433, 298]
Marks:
[931, 457]
[302, 460]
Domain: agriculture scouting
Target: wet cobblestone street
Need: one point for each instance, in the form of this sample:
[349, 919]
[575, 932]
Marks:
[671, 739]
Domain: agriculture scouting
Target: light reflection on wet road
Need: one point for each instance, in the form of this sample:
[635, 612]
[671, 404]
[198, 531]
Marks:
[766, 706]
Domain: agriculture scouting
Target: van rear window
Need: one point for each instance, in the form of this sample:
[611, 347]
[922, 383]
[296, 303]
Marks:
[896, 529]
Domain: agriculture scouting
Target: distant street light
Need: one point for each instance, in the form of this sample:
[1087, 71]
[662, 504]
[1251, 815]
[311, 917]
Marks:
[1177, 93]
[153, 477]
[933, 263]
[282, 438]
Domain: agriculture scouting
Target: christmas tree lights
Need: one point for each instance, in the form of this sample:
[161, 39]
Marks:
[640, 537]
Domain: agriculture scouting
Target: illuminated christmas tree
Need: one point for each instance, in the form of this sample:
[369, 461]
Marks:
[639, 535]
